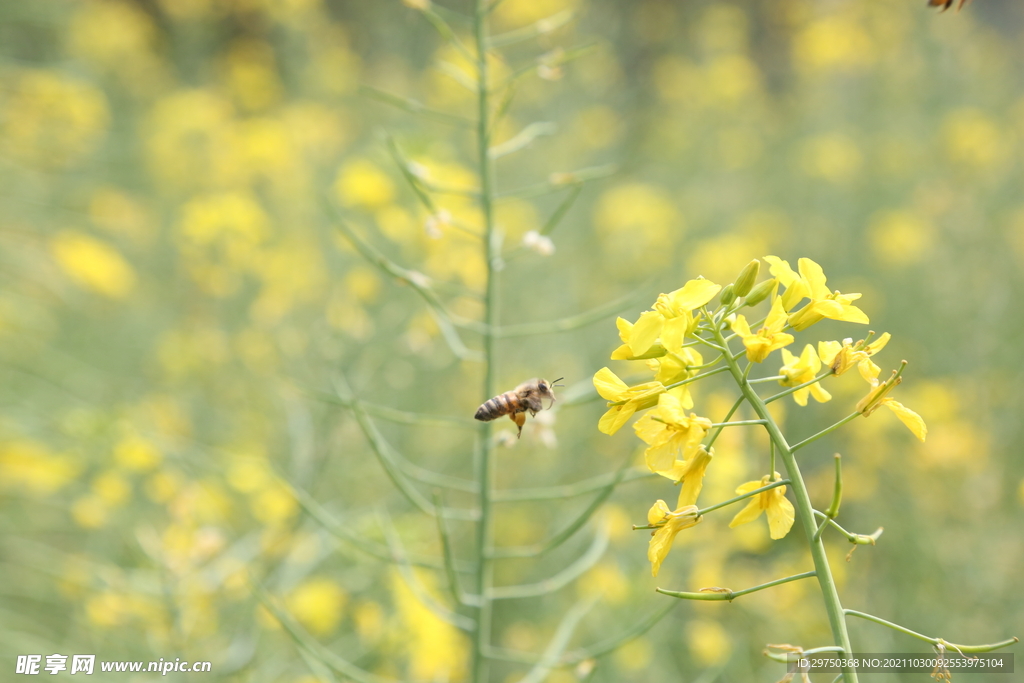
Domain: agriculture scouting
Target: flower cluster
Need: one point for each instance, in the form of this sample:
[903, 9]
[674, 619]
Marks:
[666, 339]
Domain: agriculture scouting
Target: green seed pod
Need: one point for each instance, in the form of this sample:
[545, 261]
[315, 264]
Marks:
[747, 278]
[761, 292]
[728, 295]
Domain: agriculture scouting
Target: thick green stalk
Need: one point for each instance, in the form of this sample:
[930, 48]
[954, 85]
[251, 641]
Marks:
[484, 542]
[805, 511]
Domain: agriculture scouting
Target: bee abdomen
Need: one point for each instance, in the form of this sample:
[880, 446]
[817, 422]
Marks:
[502, 404]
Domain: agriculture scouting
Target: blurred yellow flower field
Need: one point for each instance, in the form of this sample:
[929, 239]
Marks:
[262, 260]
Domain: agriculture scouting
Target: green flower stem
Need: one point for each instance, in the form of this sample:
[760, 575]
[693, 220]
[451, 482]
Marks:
[787, 392]
[837, 498]
[857, 539]
[483, 578]
[731, 595]
[748, 494]
[823, 432]
[773, 378]
[988, 647]
[738, 423]
[804, 510]
[718, 432]
[696, 378]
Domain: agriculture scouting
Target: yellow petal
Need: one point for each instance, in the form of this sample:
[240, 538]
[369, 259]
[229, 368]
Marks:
[828, 350]
[780, 513]
[868, 370]
[908, 417]
[645, 332]
[694, 294]
[608, 385]
[622, 353]
[748, 487]
[625, 329]
[751, 512]
[877, 345]
[741, 327]
[658, 512]
[781, 270]
[673, 332]
[659, 546]
[616, 416]
[693, 477]
[776, 317]
[819, 393]
[660, 458]
[814, 276]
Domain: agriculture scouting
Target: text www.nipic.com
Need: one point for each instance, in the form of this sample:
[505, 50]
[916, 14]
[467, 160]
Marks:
[161, 666]
[86, 664]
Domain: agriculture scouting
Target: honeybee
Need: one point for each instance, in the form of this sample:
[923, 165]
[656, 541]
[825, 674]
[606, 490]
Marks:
[946, 4]
[525, 398]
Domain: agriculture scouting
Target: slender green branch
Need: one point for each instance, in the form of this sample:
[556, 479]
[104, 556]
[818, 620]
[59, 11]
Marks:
[559, 641]
[552, 59]
[803, 507]
[730, 595]
[400, 416]
[310, 644]
[522, 139]
[570, 322]
[574, 526]
[613, 643]
[412, 582]
[561, 210]
[988, 647]
[798, 387]
[570, 490]
[364, 545]
[837, 497]
[759, 380]
[414, 107]
[856, 539]
[449, 556]
[559, 580]
[738, 423]
[447, 32]
[823, 432]
[538, 28]
[732, 411]
[557, 182]
[483, 578]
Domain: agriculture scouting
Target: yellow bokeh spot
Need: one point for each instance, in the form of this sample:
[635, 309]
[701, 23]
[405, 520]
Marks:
[30, 466]
[369, 620]
[318, 604]
[274, 505]
[92, 264]
[136, 453]
[833, 157]
[90, 512]
[106, 609]
[436, 650]
[360, 183]
[832, 44]
[635, 655]
[607, 581]
[112, 488]
[973, 139]
[708, 641]
[900, 238]
[248, 475]
[637, 222]
[162, 486]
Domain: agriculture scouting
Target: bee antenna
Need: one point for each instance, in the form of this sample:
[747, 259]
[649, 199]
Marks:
[558, 380]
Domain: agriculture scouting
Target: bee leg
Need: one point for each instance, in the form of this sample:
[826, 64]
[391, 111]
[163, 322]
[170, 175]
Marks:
[520, 420]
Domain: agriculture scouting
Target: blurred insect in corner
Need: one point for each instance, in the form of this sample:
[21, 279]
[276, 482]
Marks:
[525, 398]
[946, 4]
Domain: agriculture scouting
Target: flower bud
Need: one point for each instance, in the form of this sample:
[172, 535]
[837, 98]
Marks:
[728, 295]
[747, 278]
[761, 292]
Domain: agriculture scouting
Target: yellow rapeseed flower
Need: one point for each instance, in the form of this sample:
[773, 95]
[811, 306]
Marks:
[842, 357]
[669, 524]
[877, 396]
[671, 435]
[672, 317]
[768, 338]
[810, 284]
[797, 370]
[674, 367]
[628, 399]
[773, 502]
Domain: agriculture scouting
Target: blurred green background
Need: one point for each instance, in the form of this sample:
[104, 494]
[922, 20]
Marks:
[177, 308]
